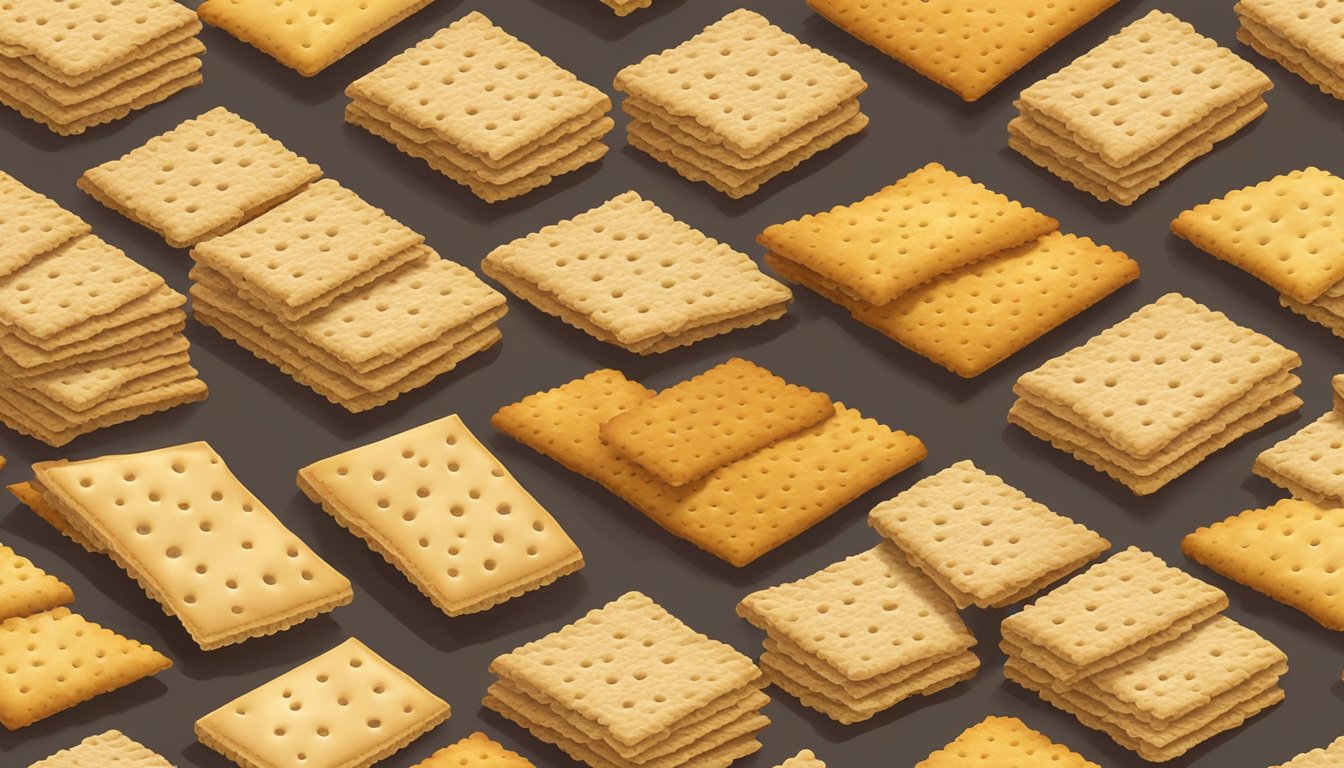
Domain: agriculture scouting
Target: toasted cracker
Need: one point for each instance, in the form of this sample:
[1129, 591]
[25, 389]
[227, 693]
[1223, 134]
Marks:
[77, 39]
[997, 742]
[110, 748]
[31, 224]
[1312, 460]
[626, 7]
[26, 589]
[476, 750]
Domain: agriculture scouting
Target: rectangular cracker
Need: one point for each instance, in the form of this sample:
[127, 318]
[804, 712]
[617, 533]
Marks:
[366, 708]
[1267, 43]
[1308, 26]
[70, 95]
[89, 37]
[54, 415]
[734, 519]
[23, 360]
[832, 700]
[108, 115]
[110, 748]
[1312, 459]
[31, 224]
[132, 315]
[252, 576]
[17, 412]
[1003, 741]
[26, 589]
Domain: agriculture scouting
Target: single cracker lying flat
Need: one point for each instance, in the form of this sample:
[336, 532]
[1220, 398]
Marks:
[475, 751]
[111, 749]
[31, 224]
[83, 38]
[26, 589]
[1325, 757]
[1311, 460]
[1004, 742]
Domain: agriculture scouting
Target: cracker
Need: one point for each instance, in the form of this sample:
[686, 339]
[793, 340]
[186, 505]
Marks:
[738, 512]
[712, 420]
[1312, 459]
[1003, 742]
[1287, 551]
[929, 222]
[116, 111]
[309, 35]
[109, 338]
[57, 659]
[26, 589]
[626, 7]
[52, 412]
[1325, 757]
[81, 389]
[130, 316]
[24, 415]
[636, 273]
[73, 118]
[1267, 43]
[1311, 27]
[79, 39]
[347, 708]
[31, 224]
[804, 759]
[110, 748]
[815, 692]
[222, 563]
[476, 750]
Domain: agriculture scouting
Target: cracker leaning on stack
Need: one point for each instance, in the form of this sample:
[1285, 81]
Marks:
[1004, 742]
[1148, 399]
[739, 103]
[74, 65]
[629, 685]
[1136, 109]
[484, 109]
[950, 270]
[111, 748]
[1139, 650]
[88, 337]
[731, 492]
[1306, 37]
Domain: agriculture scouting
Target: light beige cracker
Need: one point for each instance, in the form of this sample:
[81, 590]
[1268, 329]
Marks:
[476, 750]
[111, 113]
[17, 411]
[31, 224]
[626, 7]
[71, 95]
[131, 315]
[1271, 45]
[154, 387]
[84, 38]
[110, 749]
[23, 360]
[1003, 742]
[80, 390]
[26, 589]
[73, 118]
[1312, 459]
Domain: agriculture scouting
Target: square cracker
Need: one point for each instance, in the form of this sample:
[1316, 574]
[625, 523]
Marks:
[1289, 551]
[221, 562]
[1325, 757]
[712, 420]
[57, 92]
[866, 615]
[982, 540]
[1313, 27]
[31, 224]
[201, 179]
[468, 538]
[306, 35]
[1142, 86]
[1004, 742]
[79, 38]
[108, 749]
[475, 751]
[736, 513]
[57, 659]
[1312, 461]
[929, 222]
[774, 83]
[26, 589]
[1155, 375]
[17, 412]
[1286, 231]
[347, 708]
[636, 273]
[968, 48]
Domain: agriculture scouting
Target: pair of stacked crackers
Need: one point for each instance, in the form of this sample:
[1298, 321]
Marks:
[626, 7]
[1148, 399]
[1136, 109]
[1301, 35]
[1006, 742]
[630, 685]
[739, 103]
[88, 337]
[949, 269]
[74, 65]
[629, 274]
[1310, 463]
[718, 459]
[1139, 650]
[484, 109]
[108, 748]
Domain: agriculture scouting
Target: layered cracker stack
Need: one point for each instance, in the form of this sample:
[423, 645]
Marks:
[1136, 109]
[629, 685]
[1310, 463]
[716, 460]
[484, 109]
[950, 270]
[1325, 757]
[74, 64]
[739, 103]
[913, 641]
[26, 589]
[88, 337]
[110, 748]
[1139, 650]
[1306, 37]
[1004, 742]
[475, 751]
[1148, 399]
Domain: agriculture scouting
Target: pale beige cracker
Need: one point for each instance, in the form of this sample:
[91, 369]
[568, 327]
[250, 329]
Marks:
[985, 539]
[842, 713]
[108, 749]
[89, 36]
[1325, 757]
[1294, 490]
[1142, 86]
[734, 519]
[1312, 459]
[926, 224]
[28, 360]
[1311, 26]
[16, 412]
[183, 34]
[128, 315]
[637, 273]
[117, 101]
[108, 115]
[31, 224]
[712, 420]
[771, 83]
[70, 95]
[81, 389]
[26, 589]
[153, 387]
[833, 701]
[1003, 742]
[57, 659]
[1273, 46]
[1317, 313]
[476, 750]
[354, 709]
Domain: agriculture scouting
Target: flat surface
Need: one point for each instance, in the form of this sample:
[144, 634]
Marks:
[266, 426]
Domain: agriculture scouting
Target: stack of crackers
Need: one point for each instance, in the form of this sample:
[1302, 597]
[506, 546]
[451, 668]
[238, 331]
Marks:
[74, 65]
[913, 643]
[947, 268]
[1004, 742]
[1136, 109]
[1310, 463]
[1301, 35]
[110, 748]
[88, 337]
[1139, 650]
[629, 274]
[804, 759]
[1325, 757]
[630, 685]
[739, 103]
[1287, 231]
[717, 460]
[484, 109]
[1148, 399]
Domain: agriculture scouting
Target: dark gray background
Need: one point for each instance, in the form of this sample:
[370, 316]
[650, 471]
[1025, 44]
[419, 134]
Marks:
[266, 426]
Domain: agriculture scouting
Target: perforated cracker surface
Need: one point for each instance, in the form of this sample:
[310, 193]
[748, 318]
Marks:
[26, 589]
[111, 749]
[1315, 27]
[475, 751]
[1004, 742]
[31, 224]
[77, 37]
[1312, 459]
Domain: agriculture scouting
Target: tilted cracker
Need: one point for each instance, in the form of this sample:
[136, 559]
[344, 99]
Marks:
[1313, 27]
[816, 692]
[1271, 45]
[1311, 459]
[110, 748]
[347, 708]
[476, 750]
[1325, 757]
[26, 589]
[78, 38]
[1288, 551]
[712, 420]
[843, 714]
[734, 519]
[57, 659]
[1003, 742]
[804, 759]
[981, 537]
[929, 222]
[221, 562]
[31, 224]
